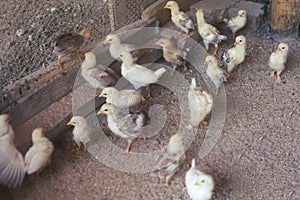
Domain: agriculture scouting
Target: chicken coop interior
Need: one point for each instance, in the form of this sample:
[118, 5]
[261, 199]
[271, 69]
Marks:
[150, 99]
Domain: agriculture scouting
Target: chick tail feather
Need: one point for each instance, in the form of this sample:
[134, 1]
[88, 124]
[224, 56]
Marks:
[193, 163]
[160, 72]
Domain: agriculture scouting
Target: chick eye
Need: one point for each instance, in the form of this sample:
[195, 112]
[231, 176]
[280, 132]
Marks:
[282, 47]
[74, 122]
[104, 94]
[203, 181]
[241, 40]
[105, 110]
[110, 40]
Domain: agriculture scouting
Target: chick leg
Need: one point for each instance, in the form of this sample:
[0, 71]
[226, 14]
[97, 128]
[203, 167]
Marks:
[59, 62]
[167, 183]
[273, 74]
[79, 56]
[202, 124]
[173, 70]
[78, 151]
[185, 38]
[84, 148]
[149, 92]
[128, 146]
[216, 49]
[278, 79]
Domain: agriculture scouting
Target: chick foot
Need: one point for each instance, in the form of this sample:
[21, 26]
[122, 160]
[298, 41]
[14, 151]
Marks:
[84, 148]
[202, 124]
[128, 147]
[78, 151]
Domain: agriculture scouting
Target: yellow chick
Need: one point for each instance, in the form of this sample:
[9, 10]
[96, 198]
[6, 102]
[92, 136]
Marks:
[172, 54]
[170, 160]
[236, 55]
[94, 73]
[179, 18]
[198, 184]
[123, 98]
[209, 33]
[129, 126]
[116, 47]
[69, 43]
[39, 155]
[216, 74]
[138, 75]
[11, 160]
[200, 104]
[278, 59]
[237, 22]
[81, 133]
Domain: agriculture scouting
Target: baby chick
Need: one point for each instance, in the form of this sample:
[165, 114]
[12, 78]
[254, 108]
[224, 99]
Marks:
[69, 43]
[173, 156]
[209, 33]
[278, 59]
[199, 185]
[179, 18]
[172, 54]
[237, 22]
[39, 155]
[123, 98]
[81, 132]
[216, 74]
[95, 73]
[200, 104]
[11, 160]
[116, 47]
[129, 126]
[236, 54]
[138, 75]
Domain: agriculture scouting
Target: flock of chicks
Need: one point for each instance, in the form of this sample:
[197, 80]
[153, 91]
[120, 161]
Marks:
[199, 185]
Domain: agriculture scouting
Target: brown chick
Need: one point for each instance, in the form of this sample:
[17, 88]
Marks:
[172, 54]
[69, 43]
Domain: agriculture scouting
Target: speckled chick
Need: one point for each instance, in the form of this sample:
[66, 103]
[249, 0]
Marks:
[198, 184]
[129, 126]
[81, 133]
[235, 55]
[116, 47]
[200, 104]
[11, 160]
[179, 18]
[209, 33]
[172, 54]
[39, 155]
[95, 74]
[169, 162]
[277, 60]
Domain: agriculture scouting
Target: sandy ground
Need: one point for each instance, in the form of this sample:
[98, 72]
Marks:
[256, 156]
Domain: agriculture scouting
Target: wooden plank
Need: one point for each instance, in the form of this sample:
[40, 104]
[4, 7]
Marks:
[285, 16]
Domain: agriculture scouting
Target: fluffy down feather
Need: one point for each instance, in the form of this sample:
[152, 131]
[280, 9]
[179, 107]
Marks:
[214, 72]
[209, 33]
[237, 22]
[172, 157]
[95, 74]
[39, 155]
[200, 103]
[277, 60]
[11, 160]
[138, 75]
[199, 185]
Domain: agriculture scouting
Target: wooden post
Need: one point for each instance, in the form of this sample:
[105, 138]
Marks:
[285, 16]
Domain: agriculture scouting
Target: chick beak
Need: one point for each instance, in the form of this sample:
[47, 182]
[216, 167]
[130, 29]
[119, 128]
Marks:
[197, 183]
[205, 62]
[101, 95]
[235, 43]
[166, 6]
[278, 49]
[69, 123]
[105, 41]
[100, 112]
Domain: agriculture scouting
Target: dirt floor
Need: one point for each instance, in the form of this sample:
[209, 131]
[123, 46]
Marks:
[256, 156]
